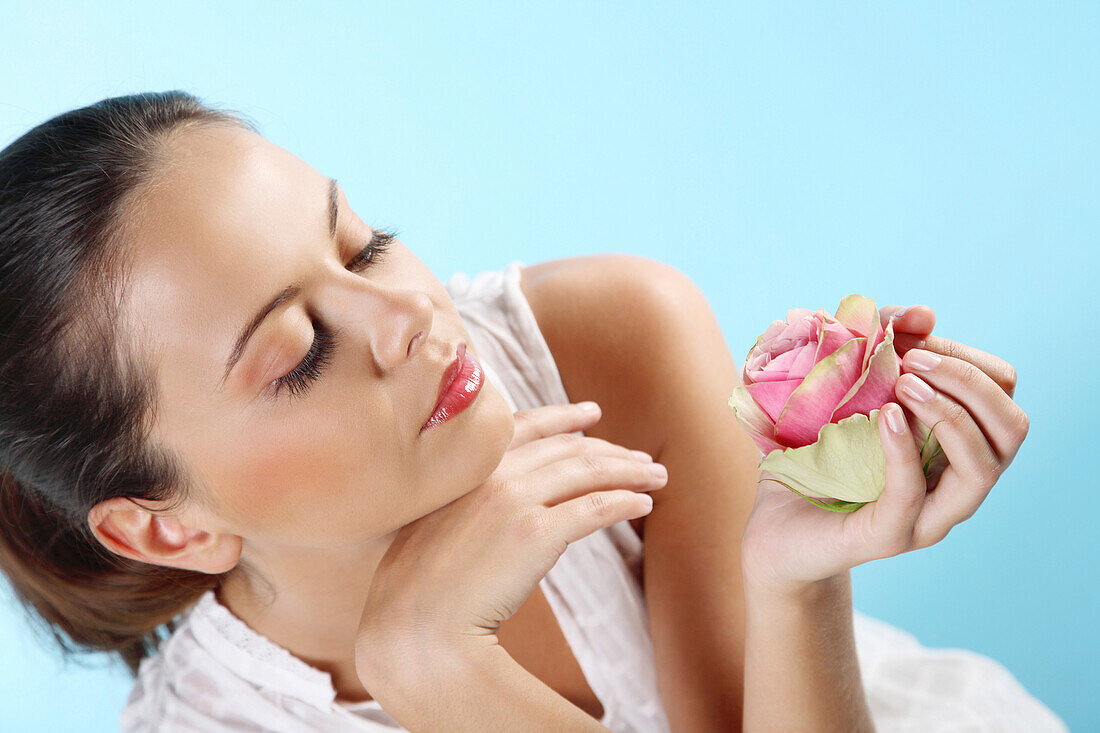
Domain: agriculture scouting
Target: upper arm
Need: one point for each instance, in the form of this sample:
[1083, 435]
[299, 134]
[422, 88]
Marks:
[603, 316]
[638, 337]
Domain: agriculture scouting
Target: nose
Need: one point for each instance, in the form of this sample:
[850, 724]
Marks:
[391, 323]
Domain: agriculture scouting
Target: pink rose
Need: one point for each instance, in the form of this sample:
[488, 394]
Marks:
[812, 387]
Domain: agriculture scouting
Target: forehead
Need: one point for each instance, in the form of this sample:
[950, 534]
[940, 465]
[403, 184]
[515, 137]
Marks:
[210, 237]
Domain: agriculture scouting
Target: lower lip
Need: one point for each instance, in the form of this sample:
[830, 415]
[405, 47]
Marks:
[463, 391]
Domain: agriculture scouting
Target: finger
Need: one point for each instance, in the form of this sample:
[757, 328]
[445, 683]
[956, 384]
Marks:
[999, 370]
[894, 514]
[580, 517]
[917, 319]
[1003, 422]
[974, 464]
[539, 453]
[583, 474]
[542, 422]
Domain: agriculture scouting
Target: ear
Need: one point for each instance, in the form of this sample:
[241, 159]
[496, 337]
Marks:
[129, 529]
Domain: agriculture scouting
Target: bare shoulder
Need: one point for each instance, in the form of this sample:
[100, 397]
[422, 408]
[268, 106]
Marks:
[615, 325]
[607, 277]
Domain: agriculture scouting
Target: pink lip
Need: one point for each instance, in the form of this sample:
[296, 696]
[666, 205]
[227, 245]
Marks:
[458, 388]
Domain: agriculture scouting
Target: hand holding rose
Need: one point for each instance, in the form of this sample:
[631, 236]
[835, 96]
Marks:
[789, 543]
[812, 389]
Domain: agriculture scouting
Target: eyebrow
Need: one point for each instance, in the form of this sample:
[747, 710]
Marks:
[283, 296]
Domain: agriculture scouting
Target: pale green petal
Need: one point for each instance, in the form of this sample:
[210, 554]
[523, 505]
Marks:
[859, 315]
[845, 463]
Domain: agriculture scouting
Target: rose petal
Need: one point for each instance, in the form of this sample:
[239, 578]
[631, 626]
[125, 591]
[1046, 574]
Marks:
[880, 335]
[776, 369]
[762, 342]
[831, 337]
[812, 404]
[875, 387]
[858, 314]
[797, 334]
[846, 462]
[772, 396]
[803, 363]
[795, 315]
[755, 421]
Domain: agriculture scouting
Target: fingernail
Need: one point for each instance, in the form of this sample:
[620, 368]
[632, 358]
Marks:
[589, 406]
[894, 419]
[658, 470]
[641, 455]
[917, 389]
[921, 360]
[900, 313]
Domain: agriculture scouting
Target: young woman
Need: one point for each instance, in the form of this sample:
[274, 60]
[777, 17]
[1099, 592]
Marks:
[354, 498]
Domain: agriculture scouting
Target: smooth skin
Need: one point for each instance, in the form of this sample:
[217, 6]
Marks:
[427, 646]
[551, 489]
[639, 337]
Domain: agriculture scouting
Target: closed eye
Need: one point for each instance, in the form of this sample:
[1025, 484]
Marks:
[374, 251]
[299, 379]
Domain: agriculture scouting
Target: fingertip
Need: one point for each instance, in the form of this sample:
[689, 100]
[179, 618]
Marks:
[894, 419]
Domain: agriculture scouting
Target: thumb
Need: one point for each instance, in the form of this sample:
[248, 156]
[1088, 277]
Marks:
[896, 510]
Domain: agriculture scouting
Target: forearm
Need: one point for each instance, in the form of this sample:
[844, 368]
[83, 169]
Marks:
[474, 690]
[801, 670]
[693, 587]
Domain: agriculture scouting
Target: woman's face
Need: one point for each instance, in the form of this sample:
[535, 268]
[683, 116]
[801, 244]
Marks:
[320, 463]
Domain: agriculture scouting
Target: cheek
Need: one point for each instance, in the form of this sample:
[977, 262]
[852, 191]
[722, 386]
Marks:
[296, 483]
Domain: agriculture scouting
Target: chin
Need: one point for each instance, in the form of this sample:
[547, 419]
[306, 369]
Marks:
[472, 445]
[481, 446]
[496, 425]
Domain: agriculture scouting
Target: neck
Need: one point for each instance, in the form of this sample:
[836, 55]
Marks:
[310, 603]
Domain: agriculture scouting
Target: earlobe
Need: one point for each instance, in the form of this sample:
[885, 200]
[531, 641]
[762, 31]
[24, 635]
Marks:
[128, 529]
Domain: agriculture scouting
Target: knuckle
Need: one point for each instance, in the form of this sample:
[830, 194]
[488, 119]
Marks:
[571, 442]
[968, 373]
[593, 466]
[601, 504]
[955, 413]
[989, 469]
[504, 494]
[533, 523]
[1020, 425]
[953, 349]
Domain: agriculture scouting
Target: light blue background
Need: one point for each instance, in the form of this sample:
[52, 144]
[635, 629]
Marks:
[780, 154]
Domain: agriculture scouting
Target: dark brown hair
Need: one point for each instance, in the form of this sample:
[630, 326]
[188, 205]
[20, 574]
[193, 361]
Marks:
[76, 399]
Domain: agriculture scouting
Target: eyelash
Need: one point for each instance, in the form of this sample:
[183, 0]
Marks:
[297, 381]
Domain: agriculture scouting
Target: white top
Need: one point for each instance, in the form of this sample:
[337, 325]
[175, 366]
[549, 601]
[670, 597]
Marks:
[216, 674]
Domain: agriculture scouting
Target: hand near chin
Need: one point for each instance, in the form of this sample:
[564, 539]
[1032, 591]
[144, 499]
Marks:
[451, 577]
[790, 544]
